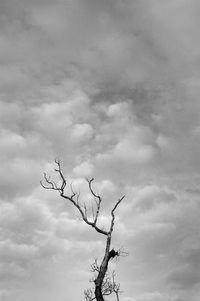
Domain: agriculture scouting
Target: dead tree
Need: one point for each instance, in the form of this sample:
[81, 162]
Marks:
[103, 285]
[109, 286]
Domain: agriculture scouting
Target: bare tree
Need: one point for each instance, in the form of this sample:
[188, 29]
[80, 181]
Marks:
[109, 286]
[104, 285]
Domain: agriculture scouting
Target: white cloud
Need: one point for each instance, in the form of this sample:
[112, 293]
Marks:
[129, 151]
[118, 109]
[156, 296]
[12, 270]
[82, 133]
[151, 196]
[84, 169]
[132, 148]
[18, 176]
[15, 252]
[11, 142]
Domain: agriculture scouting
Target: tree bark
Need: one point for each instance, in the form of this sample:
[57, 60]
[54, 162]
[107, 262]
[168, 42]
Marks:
[103, 269]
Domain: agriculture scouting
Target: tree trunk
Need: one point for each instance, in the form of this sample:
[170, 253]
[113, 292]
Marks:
[102, 271]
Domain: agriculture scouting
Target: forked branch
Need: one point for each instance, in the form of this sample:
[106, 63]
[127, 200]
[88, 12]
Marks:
[97, 197]
[109, 286]
[74, 199]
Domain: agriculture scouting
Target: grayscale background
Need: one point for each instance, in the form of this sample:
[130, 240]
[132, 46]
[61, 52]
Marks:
[112, 88]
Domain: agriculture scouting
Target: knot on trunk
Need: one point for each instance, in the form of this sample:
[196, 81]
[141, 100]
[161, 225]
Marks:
[113, 253]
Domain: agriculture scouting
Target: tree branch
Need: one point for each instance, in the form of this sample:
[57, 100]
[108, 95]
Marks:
[113, 215]
[109, 287]
[97, 197]
[61, 189]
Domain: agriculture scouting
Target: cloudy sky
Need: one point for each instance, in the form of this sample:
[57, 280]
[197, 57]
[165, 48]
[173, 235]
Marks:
[111, 87]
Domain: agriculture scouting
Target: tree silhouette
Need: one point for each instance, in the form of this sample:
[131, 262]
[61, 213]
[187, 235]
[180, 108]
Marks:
[104, 285]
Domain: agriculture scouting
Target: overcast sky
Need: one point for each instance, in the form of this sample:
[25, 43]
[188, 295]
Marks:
[112, 88]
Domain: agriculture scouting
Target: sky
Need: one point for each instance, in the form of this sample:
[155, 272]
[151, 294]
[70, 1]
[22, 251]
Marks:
[111, 88]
